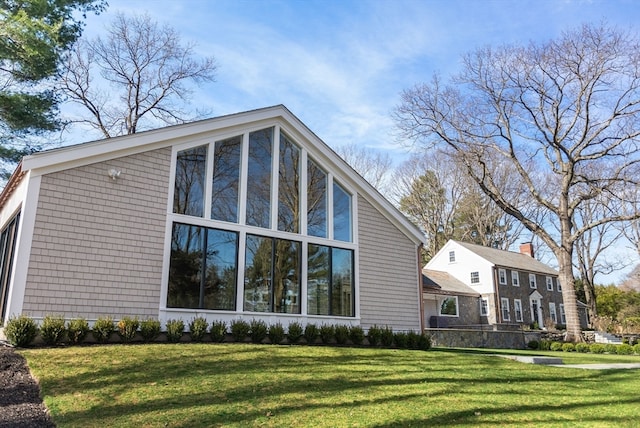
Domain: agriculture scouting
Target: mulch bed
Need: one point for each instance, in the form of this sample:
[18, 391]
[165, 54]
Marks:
[20, 402]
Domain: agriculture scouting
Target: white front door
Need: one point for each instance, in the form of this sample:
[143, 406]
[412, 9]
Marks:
[535, 304]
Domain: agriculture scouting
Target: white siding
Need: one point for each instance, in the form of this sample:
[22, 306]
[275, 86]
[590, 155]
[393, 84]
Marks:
[466, 262]
[98, 243]
[388, 273]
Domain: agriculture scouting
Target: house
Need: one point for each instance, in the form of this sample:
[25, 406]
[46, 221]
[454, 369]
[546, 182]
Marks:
[245, 216]
[468, 285]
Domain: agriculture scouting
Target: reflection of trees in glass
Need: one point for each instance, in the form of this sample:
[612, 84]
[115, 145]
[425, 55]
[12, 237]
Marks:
[259, 178]
[286, 278]
[202, 279]
[257, 274]
[272, 275]
[341, 214]
[329, 281]
[342, 282]
[188, 196]
[318, 280]
[226, 179]
[316, 200]
[448, 306]
[289, 186]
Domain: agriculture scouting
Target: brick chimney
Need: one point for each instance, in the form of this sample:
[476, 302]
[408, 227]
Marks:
[526, 248]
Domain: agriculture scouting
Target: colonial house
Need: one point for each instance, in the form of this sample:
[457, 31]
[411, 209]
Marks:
[468, 285]
[243, 216]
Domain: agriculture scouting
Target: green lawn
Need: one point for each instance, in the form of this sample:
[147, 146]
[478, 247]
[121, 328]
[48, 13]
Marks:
[186, 385]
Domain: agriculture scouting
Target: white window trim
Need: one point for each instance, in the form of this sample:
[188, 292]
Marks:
[484, 307]
[502, 276]
[440, 302]
[563, 316]
[549, 281]
[515, 278]
[518, 303]
[553, 315]
[471, 276]
[504, 304]
[532, 281]
[452, 255]
[271, 232]
[559, 287]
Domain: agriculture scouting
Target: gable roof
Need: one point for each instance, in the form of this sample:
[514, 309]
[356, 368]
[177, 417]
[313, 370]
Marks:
[101, 150]
[439, 282]
[509, 259]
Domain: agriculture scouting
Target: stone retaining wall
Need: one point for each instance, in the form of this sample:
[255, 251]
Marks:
[472, 338]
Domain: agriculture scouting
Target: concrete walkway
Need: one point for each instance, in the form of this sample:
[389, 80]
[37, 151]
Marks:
[557, 362]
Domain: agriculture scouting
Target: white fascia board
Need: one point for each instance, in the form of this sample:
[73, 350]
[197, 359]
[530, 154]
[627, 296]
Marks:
[96, 151]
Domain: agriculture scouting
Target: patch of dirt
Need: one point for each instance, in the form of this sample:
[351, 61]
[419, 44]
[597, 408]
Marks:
[20, 402]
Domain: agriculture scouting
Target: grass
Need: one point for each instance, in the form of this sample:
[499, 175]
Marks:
[234, 385]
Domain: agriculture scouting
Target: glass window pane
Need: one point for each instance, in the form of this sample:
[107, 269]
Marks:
[342, 282]
[286, 278]
[289, 187]
[257, 274]
[226, 179]
[259, 178]
[188, 196]
[219, 289]
[316, 200]
[318, 280]
[449, 306]
[341, 214]
[185, 267]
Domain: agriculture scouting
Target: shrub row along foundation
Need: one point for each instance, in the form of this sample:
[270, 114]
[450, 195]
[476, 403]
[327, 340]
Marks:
[23, 331]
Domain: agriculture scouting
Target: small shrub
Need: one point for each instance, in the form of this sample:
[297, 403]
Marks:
[356, 334]
[53, 329]
[611, 348]
[258, 331]
[386, 337]
[149, 329]
[311, 333]
[102, 329]
[568, 347]
[341, 334]
[240, 330]
[556, 346]
[294, 332]
[413, 340]
[218, 331]
[21, 331]
[175, 330]
[636, 348]
[624, 349]
[533, 344]
[198, 329]
[545, 345]
[127, 328]
[276, 333]
[374, 335]
[582, 347]
[424, 343]
[401, 339]
[596, 348]
[327, 333]
[77, 330]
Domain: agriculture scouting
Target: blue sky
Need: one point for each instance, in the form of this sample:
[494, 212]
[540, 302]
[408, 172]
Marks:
[340, 65]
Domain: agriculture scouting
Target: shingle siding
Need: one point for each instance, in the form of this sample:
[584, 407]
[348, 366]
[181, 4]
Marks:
[98, 243]
[388, 272]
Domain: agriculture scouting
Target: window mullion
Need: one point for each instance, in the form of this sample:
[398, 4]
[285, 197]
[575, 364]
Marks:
[244, 162]
[275, 174]
[208, 181]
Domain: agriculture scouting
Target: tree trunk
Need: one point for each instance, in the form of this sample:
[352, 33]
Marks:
[567, 281]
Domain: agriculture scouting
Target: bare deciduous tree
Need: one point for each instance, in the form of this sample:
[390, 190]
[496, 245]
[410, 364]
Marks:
[373, 165]
[564, 115]
[138, 73]
[435, 192]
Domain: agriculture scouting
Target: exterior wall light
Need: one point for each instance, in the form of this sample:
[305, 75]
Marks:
[114, 173]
